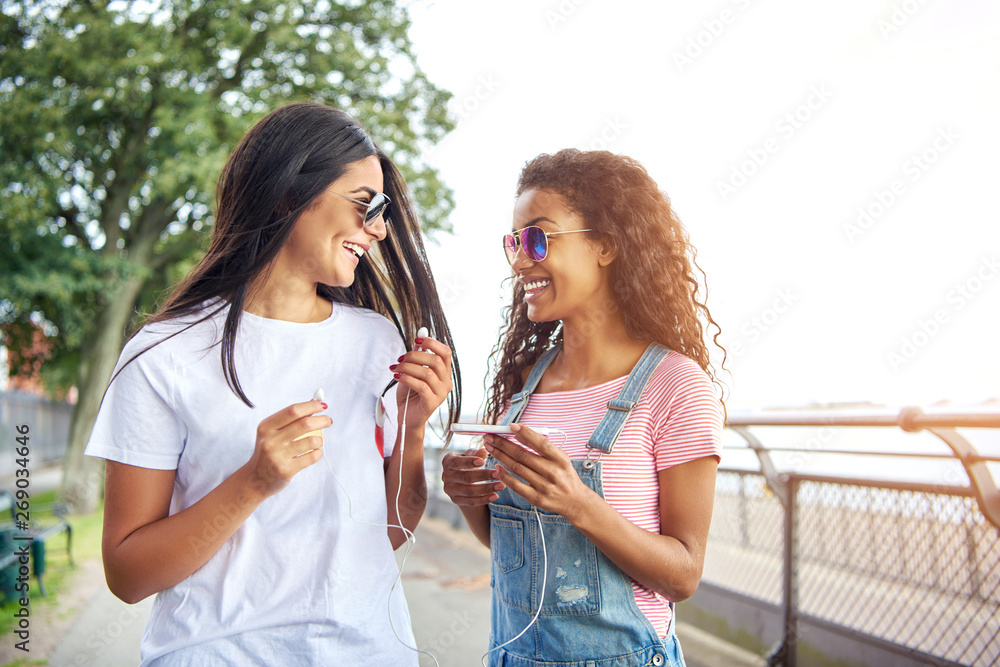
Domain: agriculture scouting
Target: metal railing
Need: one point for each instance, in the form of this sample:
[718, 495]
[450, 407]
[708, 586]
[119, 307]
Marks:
[891, 543]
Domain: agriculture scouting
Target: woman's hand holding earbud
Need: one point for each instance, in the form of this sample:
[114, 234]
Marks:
[280, 451]
[424, 376]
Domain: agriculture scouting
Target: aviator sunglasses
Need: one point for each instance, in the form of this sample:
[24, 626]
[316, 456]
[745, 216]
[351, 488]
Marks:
[534, 241]
[375, 207]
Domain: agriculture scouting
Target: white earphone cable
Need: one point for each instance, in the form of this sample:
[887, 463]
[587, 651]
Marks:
[410, 537]
[545, 572]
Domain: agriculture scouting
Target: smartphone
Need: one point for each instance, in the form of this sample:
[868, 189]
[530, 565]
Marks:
[482, 429]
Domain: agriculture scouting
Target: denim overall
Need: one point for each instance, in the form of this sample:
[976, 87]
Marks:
[589, 617]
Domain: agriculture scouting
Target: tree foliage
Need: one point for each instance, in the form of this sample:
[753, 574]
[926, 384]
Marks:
[116, 118]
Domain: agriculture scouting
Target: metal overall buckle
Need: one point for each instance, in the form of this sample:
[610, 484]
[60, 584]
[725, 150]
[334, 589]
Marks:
[588, 464]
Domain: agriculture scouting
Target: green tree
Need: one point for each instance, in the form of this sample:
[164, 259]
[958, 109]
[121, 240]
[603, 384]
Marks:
[115, 120]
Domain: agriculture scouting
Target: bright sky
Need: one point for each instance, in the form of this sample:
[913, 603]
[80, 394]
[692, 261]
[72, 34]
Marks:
[836, 166]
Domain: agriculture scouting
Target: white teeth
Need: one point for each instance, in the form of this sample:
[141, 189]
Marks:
[536, 285]
[355, 248]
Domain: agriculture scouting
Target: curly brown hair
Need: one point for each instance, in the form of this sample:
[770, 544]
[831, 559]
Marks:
[655, 286]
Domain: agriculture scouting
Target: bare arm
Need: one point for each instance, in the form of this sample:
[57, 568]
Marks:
[147, 550]
[424, 382]
[669, 563]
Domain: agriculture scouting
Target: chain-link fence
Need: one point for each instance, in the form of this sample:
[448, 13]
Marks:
[911, 567]
[745, 542]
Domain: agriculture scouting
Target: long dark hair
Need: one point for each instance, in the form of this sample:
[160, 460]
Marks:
[273, 176]
[656, 289]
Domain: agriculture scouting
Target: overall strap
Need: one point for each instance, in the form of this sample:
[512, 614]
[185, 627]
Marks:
[603, 438]
[519, 401]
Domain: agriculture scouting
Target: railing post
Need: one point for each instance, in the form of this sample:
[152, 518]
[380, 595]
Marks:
[980, 478]
[785, 654]
[744, 519]
[767, 468]
[975, 582]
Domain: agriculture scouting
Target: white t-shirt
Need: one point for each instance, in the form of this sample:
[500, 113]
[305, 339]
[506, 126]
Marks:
[300, 582]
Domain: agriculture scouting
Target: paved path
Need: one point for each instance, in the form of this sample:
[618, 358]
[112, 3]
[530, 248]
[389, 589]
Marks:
[447, 584]
[446, 579]
[106, 633]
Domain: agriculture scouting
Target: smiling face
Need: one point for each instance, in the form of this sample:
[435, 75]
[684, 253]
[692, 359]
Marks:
[574, 276]
[329, 239]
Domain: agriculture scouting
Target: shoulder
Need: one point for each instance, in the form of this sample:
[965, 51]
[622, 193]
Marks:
[376, 324]
[162, 342]
[375, 336]
[686, 410]
[677, 373]
[679, 383]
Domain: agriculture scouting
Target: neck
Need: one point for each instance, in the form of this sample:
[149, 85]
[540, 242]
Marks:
[288, 300]
[595, 350]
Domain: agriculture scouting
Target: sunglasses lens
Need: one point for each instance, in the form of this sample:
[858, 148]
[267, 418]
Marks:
[535, 244]
[510, 247]
[376, 208]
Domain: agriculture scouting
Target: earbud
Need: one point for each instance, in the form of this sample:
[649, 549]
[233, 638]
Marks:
[422, 332]
[317, 396]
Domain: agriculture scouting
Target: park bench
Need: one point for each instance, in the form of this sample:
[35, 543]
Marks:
[38, 535]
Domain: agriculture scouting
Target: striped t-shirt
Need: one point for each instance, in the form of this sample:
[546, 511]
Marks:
[677, 419]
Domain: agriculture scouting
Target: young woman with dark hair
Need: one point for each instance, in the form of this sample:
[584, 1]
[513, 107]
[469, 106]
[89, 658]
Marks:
[315, 278]
[599, 528]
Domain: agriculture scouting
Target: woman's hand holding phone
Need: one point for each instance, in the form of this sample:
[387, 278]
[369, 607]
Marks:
[466, 481]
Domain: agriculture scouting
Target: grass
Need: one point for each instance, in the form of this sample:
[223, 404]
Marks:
[86, 546]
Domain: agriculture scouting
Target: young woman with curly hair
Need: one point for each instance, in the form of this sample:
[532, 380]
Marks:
[599, 528]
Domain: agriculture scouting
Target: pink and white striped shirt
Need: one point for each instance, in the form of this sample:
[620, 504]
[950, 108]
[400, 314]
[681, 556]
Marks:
[677, 419]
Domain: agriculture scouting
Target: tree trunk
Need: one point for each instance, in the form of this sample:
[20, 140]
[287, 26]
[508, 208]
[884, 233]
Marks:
[83, 476]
